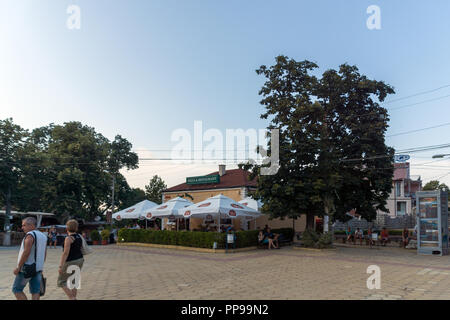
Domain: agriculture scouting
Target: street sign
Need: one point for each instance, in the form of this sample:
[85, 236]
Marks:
[401, 157]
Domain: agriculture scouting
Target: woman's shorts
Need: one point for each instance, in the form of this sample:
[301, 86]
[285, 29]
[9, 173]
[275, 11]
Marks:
[265, 241]
[62, 278]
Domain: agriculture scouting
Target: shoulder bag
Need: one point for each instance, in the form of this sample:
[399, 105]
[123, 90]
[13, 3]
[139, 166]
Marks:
[29, 270]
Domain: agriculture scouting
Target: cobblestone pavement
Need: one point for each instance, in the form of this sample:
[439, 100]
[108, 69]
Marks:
[136, 273]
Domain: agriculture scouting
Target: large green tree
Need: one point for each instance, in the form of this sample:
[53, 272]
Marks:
[332, 151]
[12, 142]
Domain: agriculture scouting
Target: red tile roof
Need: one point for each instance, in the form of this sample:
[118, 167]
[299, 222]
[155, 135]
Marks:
[231, 179]
[401, 171]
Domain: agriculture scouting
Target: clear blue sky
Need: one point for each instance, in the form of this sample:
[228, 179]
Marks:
[145, 68]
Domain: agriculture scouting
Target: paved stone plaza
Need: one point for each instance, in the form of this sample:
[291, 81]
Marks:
[125, 272]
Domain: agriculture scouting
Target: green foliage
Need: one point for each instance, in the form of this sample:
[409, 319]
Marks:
[66, 169]
[309, 238]
[155, 189]
[95, 235]
[325, 240]
[330, 130]
[435, 185]
[194, 238]
[105, 234]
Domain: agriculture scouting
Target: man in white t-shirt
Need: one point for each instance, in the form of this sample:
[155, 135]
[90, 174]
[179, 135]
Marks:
[32, 250]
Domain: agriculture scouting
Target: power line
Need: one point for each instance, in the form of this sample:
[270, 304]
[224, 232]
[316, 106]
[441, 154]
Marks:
[418, 130]
[417, 94]
[417, 103]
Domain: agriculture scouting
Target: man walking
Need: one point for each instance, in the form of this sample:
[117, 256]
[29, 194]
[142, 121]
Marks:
[32, 250]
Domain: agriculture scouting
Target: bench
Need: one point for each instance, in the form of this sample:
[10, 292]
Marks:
[282, 241]
[392, 239]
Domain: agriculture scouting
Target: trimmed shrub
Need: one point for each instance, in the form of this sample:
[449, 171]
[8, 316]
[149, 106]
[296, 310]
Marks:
[196, 239]
[105, 234]
[325, 240]
[95, 236]
[309, 238]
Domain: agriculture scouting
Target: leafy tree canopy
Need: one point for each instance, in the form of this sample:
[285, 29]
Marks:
[155, 189]
[332, 151]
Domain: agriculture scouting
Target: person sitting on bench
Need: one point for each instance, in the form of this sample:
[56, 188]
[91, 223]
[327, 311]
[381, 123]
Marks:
[359, 235]
[370, 237]
[405, 237]
[349, 234]
[262, 238]
[384, 236]
[273, 239]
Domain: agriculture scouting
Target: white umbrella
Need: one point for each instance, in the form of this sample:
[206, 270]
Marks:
[169, 209]
[218, 206]
[135, 212]
[254, 204]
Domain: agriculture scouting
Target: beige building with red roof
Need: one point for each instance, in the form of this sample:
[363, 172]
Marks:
[235, 184]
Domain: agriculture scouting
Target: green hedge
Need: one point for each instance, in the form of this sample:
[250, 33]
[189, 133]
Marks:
[195, 238]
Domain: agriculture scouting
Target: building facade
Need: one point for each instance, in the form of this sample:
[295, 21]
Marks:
[402, 199]
[235, 184]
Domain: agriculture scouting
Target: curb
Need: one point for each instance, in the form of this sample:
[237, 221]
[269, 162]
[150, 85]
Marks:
[314, 249]
[182, 248]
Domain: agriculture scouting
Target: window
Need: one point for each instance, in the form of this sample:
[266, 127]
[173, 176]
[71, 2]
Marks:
[398, 188]
[225, 221]
[401, 208]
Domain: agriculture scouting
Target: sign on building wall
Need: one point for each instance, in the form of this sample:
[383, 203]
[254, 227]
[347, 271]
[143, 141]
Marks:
[401, 157]
[203, 179]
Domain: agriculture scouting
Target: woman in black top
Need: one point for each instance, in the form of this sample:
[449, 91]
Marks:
[71, 256]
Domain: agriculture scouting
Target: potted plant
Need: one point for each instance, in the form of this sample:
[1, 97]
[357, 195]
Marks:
[95, 237]
[105, 236]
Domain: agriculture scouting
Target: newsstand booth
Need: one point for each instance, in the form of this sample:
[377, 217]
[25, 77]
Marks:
[432, 222]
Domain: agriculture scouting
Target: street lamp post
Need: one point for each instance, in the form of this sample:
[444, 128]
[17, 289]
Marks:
[437, 156]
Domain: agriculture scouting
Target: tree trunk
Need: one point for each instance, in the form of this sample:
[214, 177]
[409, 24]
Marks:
[7, 237]
[310, 221]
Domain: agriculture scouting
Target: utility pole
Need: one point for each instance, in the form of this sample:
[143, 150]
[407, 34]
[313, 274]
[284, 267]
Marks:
[7, 228]
[112, 196]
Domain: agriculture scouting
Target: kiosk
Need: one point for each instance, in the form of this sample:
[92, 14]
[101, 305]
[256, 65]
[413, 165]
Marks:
[432, 222]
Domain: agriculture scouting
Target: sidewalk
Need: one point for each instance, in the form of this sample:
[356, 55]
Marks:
[140, 273]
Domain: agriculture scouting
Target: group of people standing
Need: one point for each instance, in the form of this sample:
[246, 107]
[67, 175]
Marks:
[32, 256]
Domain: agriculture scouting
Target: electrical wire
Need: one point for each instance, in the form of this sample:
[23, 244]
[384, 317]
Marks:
[418, 130]
[417, 94]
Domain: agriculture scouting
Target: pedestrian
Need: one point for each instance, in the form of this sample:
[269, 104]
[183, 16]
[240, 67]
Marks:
[384, 236]
[30, 263]
[53, 235]
[71, 256]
